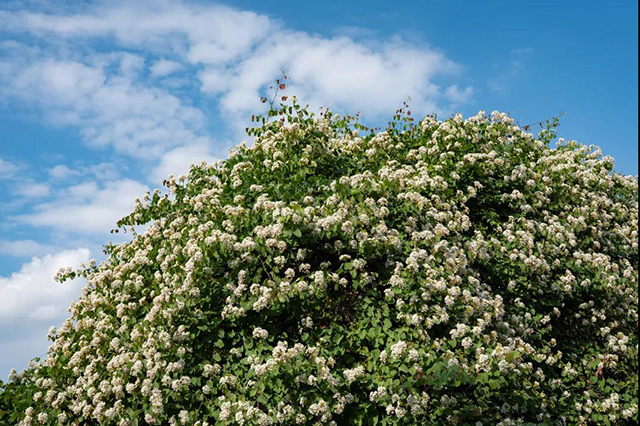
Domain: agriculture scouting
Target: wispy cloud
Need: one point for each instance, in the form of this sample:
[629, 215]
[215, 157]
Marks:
[459, 96]
[87, 207]
[9, 169]
[24, 248]
[32, 190]
[110, 108]
[101, 171]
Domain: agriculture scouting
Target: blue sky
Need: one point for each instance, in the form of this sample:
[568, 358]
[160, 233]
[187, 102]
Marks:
[100, 101]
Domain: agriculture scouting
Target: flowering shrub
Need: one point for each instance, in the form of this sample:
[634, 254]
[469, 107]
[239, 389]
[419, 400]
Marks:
[447, 272]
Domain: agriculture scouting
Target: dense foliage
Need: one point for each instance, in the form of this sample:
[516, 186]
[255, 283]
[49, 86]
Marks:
[447, 272]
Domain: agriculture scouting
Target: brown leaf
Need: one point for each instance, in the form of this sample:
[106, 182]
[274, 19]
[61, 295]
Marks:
[283, 86]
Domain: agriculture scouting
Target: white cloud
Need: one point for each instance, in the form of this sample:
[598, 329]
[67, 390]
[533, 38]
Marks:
[31, 294]
[101, 171]
[104, 171]
[110, 109]
[339, 73]
[8, 169]
[178, 160]
[82, 190]
[61, 171]
[131, 65]
[164, 67]
[207, 33]
[32, 301]
[22, 248]
[33, 190]
[459, 96]
[87, 207]
[195, 33]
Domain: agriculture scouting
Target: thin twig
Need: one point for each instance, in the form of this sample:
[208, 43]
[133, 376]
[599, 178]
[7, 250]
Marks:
[528, 126]
[279, 84]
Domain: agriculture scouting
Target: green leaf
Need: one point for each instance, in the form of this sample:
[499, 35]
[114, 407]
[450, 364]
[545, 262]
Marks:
[511, 355]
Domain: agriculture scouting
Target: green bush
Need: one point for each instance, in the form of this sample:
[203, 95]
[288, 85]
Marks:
[455, 272]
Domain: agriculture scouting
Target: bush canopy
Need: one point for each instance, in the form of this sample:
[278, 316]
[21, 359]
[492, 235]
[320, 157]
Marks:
[435, 272]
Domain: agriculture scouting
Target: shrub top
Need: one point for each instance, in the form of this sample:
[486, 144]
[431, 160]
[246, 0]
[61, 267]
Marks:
[447, 272]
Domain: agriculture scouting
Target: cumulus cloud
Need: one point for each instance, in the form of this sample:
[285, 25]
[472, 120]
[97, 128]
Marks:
[31, 294]
[32, 302]
[87, 207]
[337, 72]
[61, 171]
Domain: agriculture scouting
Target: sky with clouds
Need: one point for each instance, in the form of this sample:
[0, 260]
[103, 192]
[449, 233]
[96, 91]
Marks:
[99, 101]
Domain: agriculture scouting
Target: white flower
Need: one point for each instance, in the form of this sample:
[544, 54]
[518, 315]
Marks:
[398, 348]
[260, 333]
[353, 373]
